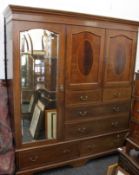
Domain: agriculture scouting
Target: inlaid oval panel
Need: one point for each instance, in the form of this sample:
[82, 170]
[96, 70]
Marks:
[120, 59]
[85, 57]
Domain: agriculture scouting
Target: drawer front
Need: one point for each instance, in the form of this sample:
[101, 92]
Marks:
[84, 112]
[116, 93]
[79, 97]
[48, 155]
[101, 144]
[96, 126]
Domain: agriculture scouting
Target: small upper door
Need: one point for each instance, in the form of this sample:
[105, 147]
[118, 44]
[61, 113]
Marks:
[85, 51]
[120, 53]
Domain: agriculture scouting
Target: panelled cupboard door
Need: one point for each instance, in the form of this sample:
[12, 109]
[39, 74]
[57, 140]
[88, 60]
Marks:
[85, 52]
[120, 56]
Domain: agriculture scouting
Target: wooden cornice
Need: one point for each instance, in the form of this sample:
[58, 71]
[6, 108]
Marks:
[13, 9]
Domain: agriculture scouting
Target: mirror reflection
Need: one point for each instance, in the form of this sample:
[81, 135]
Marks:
[38, 66]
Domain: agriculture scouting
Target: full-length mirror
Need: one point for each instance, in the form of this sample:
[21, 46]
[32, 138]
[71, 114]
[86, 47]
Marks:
[38, 67]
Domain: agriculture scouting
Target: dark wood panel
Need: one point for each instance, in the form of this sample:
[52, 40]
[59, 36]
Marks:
[85, 49]
[135, 109]
[134, 123]
[136, 85]
[120, 53]
[134, 132]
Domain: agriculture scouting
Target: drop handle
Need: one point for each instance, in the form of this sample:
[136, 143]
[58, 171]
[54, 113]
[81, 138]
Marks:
[116, 94]
[114, 124]
[83, 113]
[116, 109]
[66, 151]
[33, 159]
[83, 98]
[82, 130]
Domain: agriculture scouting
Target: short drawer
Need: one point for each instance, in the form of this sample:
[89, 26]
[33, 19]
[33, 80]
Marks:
[79, 97]
[96, 126]
[48, 155]
[102, 144]
[91, 111]
[116, 93]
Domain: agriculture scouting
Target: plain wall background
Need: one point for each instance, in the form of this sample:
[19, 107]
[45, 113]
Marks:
[125, 9]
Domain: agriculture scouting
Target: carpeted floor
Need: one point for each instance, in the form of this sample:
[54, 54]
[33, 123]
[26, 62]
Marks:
[94, 167]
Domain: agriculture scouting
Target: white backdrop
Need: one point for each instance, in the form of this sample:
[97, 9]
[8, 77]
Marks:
[126, 9]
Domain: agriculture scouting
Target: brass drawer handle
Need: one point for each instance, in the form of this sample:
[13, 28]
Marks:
[82, 130]
[116, 109]
[83, 98]
[66, 151]
[33, 159]
[83, 113]
[116, 94]
[115, 124]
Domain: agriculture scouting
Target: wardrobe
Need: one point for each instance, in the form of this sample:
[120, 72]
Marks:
[70, 79]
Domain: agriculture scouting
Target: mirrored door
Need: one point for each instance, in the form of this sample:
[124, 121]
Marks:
[38, 70]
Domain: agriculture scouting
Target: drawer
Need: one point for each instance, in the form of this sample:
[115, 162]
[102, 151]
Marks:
[116, 93]
[102, 144]
[96, 126]
[79, 97]
[89, 111]
[48, 155]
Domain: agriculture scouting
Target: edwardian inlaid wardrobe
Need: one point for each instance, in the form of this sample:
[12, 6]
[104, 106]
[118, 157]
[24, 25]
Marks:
[70, 79]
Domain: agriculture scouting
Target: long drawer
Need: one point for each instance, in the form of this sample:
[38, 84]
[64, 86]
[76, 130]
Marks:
[102, 144]
[97, 126]
[79, 97]
[48, 155]
[89, 111]
[112, 94]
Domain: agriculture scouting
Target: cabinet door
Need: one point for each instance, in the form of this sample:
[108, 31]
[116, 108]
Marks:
[38, 68]
[120, 56]
[84, 57]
